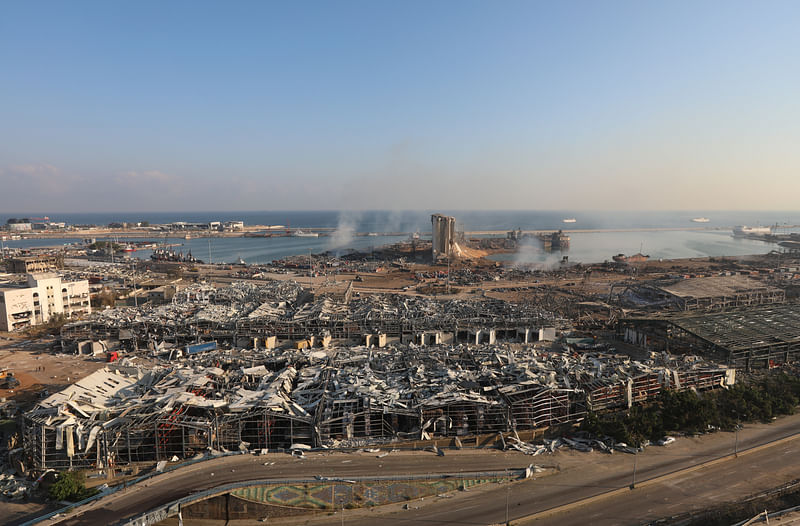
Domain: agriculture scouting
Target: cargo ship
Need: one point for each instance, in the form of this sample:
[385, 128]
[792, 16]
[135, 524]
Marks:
[700, 220]
[569, 220]
[300, 233]
[751, 231]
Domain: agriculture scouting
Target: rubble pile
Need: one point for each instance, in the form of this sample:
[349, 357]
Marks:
[274, 398]
[283, 309]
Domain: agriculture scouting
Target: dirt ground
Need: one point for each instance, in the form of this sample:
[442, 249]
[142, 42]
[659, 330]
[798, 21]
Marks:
[38, 369]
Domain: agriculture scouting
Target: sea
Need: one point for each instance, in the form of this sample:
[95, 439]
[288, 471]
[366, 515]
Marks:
[591, 245]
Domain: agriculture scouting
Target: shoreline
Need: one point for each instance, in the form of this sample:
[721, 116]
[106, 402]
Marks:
[258, 231]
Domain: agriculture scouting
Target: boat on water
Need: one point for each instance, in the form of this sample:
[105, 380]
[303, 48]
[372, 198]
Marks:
[700, 220]
[170, 256]
[240, 261]
[569, 220]
[750, 231]
[636, 258]
[300, 233]
[129, 248]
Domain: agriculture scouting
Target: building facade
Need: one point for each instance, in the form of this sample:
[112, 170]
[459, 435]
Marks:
[43, 296]
[35, 264]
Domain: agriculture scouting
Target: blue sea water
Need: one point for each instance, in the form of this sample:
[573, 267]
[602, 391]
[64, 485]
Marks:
[586, 247]
[413, 220]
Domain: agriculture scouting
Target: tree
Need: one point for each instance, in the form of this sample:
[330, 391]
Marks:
[71, 486]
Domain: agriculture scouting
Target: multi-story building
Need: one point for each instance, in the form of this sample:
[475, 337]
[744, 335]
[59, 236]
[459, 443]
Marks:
[43, 296]
[33, 264]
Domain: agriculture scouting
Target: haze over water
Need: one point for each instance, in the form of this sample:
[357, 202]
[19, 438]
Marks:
[585, 247]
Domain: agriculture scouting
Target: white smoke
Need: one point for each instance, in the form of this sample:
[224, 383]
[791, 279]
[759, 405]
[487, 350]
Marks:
[531, 256]
[342, 237]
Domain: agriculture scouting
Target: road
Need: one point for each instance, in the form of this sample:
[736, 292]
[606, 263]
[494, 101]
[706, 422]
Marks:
[582, 475]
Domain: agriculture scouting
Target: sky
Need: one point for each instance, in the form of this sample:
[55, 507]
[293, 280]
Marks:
[365, 105]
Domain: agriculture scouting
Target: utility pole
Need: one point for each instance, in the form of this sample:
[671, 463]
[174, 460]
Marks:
[508, 494]
[135, 295]
[635, 456]
[448, 273]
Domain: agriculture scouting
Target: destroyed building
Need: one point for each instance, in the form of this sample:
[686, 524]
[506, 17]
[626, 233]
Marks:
[274, 398]
[242, 313]
[443, 229]
[701, 293]
[762, 336]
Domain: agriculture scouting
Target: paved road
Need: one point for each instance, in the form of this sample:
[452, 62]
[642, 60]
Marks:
[582, 475]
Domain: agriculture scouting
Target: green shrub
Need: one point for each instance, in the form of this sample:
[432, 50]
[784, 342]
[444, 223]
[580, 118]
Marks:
[71, 486]
[689, 412]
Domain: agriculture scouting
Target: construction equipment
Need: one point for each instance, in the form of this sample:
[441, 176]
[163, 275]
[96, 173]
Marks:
[8, 380]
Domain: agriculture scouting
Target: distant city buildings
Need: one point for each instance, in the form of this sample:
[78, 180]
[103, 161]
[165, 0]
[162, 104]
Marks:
[35, 223]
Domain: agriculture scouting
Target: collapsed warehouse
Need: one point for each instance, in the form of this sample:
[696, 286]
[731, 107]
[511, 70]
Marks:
[350, 397]
[701, 293]
[763, 336]
[249, 315]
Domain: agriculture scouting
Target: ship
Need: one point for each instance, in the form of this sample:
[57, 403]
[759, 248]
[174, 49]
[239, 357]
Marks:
[636, 258]
[751, 231]
[300, 233]
[569, 220]
[700, 220]
[166, 255]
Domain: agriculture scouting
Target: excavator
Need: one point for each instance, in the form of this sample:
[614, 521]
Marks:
[8, 380]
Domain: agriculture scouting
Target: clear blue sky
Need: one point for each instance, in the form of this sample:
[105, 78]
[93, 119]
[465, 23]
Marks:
[369, 105]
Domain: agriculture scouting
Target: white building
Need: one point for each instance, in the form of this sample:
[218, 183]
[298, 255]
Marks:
[20, 227]
[40, 298]
[233, 225]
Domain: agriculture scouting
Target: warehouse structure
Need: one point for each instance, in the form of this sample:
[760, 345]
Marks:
[285, 313]
[256, 399]
[747, 338]
[702, 293]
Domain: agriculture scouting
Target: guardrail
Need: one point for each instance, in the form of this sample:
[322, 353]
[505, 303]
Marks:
[114, 489]
[172, 508]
